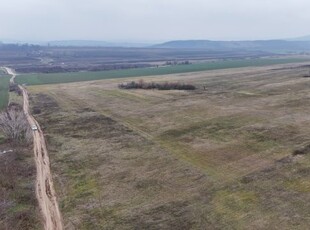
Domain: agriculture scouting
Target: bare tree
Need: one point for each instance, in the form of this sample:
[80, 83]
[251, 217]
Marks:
[14, 125]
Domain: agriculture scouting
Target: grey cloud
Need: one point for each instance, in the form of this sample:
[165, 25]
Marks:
[153, 19]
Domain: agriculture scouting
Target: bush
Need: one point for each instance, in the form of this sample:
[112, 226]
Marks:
[14, 125]
[160, 86]
[302, 151]
[14, 88]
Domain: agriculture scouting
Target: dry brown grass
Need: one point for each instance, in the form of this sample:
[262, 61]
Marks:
[18, 204]
[219, 158]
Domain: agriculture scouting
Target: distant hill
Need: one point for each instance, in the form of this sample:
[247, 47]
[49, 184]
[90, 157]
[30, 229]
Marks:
[91, 43]
[303, 38]
[262, 45]
[78, 43]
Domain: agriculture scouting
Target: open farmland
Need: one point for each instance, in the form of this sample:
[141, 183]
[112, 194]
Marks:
[38, 79]
[219, 158]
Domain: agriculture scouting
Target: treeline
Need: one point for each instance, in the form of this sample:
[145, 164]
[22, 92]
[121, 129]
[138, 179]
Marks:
[160, 86]
[70, 68]
[19, 47]
[186, 62]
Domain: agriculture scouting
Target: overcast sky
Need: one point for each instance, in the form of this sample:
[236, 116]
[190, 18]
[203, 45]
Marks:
[153, 20]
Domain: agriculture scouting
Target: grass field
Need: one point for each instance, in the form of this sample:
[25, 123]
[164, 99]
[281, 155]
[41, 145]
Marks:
[4, 90]
[38, 79]
[219, 158]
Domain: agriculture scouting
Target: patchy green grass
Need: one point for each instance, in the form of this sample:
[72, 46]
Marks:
[39, 79]
[220, 128]
[233, 206]
[299, 185]
[15, 98]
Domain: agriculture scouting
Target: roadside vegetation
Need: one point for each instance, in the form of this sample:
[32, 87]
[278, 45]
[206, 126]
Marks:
[18, 204]
[14, 125]
[233, 156]
[39, 79]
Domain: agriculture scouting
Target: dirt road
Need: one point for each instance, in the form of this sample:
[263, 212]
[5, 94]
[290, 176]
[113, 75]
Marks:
[44, 184]
[12, 73]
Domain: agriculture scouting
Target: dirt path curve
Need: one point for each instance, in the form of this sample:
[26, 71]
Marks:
[45, 192]
[12, 73]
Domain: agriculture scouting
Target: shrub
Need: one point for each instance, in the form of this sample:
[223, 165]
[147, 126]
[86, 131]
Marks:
[14, 88]
[160, 86]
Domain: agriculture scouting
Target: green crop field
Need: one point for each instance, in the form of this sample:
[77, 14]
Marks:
[38, 79]
[4, 91]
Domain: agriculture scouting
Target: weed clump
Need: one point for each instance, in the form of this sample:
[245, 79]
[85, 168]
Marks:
[302, 151]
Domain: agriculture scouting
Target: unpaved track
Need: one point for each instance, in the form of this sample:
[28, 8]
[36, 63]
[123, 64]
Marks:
[12, 73]
[44, 184]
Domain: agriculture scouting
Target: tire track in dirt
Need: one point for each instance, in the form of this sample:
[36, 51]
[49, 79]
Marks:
[45, 191]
